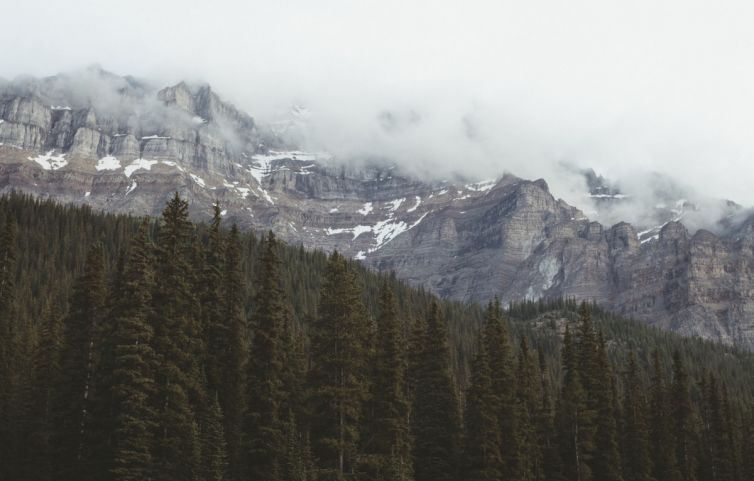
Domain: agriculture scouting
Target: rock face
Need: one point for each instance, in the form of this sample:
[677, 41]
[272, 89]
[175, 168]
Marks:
[505, 237]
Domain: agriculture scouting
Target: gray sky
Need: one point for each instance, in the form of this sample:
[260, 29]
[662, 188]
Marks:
[476, 86]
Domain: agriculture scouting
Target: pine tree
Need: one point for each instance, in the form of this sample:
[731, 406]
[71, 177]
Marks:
[661, 427]
[606, 463]
[45, 378]
[133, 366]
[388, 431]
[683, 421]
[435, 411]
[573, 416]
[214, 455]
[215, 331]
[552, 462]
[9, 353]
[481, 454]
[232, 390]
[338, 374]
[264, 420]
[72, 403]
[504, 388]
[528, 395]
[637, 461]
[177, 378]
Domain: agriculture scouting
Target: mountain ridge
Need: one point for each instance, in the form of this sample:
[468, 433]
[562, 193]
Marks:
[473, 241]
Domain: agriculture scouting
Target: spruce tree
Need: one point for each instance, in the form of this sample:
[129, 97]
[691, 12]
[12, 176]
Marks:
[338, 374]
[637, 460]
[215, 331]
[435, 411]
[481, 454]
[214, 465]
[72, 403]
[662, 443]
[606, 462]
[573, 416]
[232, 390]
[388, 431]
[177, 378]
[528, 395]
[504, 388]
[9, 352]
[682, 416]
[134, 365]
[264, 420]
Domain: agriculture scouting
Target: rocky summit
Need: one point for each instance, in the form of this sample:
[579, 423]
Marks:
[119, 144]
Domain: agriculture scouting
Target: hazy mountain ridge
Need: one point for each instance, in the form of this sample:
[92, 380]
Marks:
[128, 147]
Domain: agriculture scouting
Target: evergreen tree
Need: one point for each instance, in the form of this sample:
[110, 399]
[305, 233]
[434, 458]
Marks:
[9, 350]
[232, 390]
[265, 422]
[661, 427]
[389, 435]
[213, 448]
[637, 461]
[683, 421]
[177, 378]
[216, 334]
[72, 403]
[134, 364]
[606, 463]
[573, 416]
[504, 388]
[338, 373]
[481, 455]
[528, 399]
[435, 412]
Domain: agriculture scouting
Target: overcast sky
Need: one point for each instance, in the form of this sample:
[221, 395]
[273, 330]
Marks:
[474, 86]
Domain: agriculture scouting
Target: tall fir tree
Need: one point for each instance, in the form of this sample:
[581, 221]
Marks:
[177, 377]
[606, 462]
[501, 360]
[388, 440]
[528, 395]
[682, 416]
[134, 366]
[573, 416]
[481, 459]
[10, 337]
[637, 461]
[215, 331]
[338, 374]
[435, 412]
[264, 419]
[214, 455]
[662, 443]
[232, 389]
[72, 403]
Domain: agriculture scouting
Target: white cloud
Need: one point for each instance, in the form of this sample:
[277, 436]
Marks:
[476, 86]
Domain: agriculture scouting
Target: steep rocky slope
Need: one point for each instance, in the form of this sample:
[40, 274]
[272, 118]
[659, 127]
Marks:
[128, 147]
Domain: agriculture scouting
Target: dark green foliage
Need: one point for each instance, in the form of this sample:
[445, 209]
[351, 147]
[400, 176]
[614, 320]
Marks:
[637, 461]
[338, 373]
[265, 419]
[435, 413]
[132, 365]
[482, 460]
[74, 392]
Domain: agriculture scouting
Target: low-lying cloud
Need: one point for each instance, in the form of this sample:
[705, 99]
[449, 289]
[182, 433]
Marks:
[472, 88]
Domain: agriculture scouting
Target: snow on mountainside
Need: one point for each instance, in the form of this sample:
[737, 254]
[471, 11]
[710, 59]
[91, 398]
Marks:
[126, 147]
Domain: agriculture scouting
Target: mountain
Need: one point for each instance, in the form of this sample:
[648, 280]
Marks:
[122, 145]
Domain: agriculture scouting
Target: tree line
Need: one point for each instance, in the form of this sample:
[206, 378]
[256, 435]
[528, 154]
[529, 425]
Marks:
[184, 352]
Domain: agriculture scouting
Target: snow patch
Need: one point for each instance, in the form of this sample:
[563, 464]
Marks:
[360, 256]
[138, 164]
[396, 204]
[152, 137]
[333, 210]
[59, 107]
[50, 161]
[173, 164]
[87, 194]
[131, 187]
[416, 206]
[366, 209]
[108, 163]
[198, 180]
[482, 186]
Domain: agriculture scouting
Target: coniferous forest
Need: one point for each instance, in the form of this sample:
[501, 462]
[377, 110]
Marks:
[159, 349]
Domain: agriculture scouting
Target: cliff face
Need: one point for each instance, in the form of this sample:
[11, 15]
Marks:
[506, 237]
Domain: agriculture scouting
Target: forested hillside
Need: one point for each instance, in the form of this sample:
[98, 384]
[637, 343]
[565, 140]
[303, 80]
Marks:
[137, 349]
